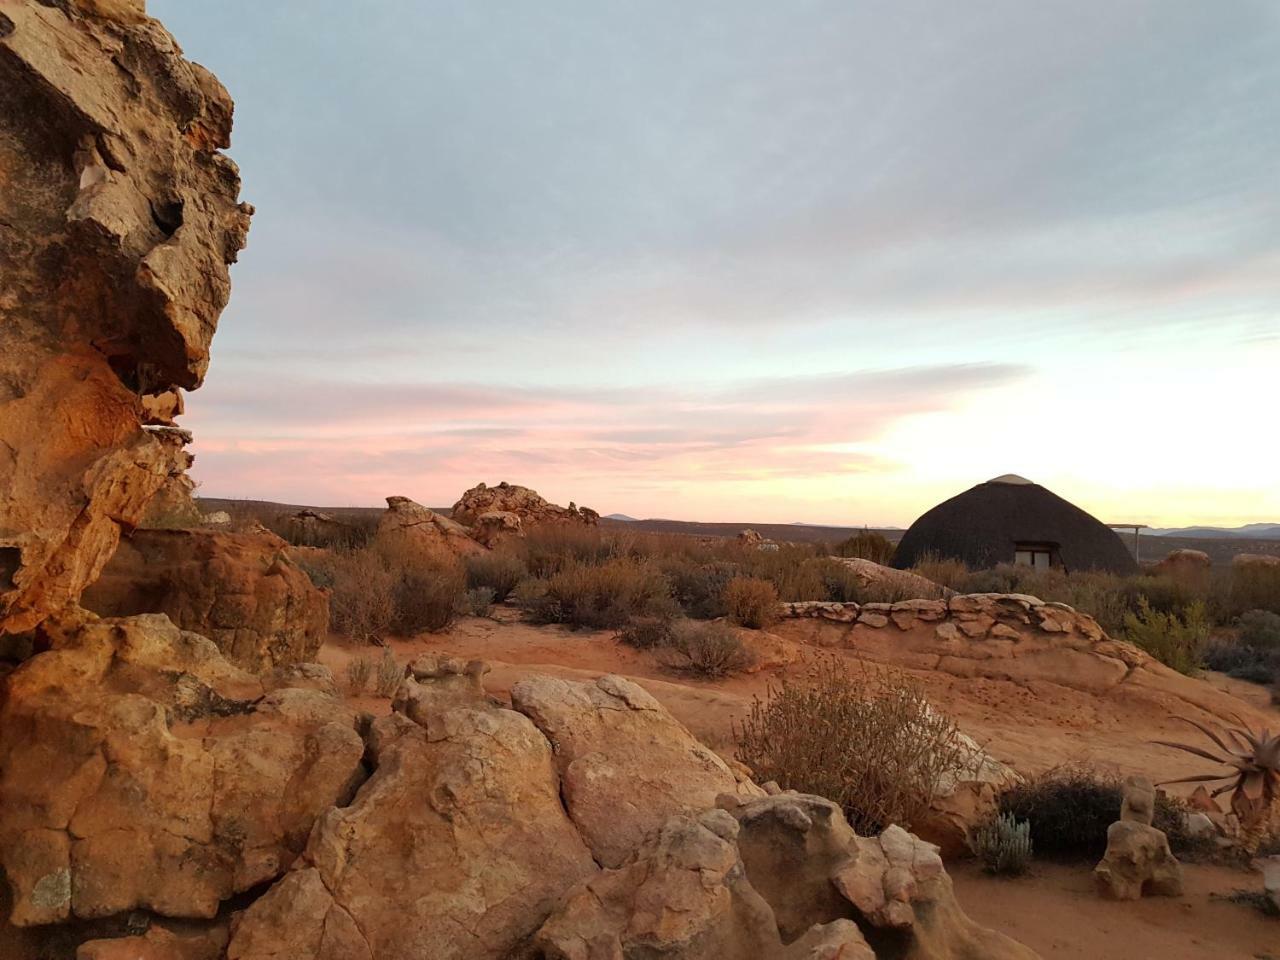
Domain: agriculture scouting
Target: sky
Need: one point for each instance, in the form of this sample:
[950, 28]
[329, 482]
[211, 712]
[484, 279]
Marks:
[828, 261]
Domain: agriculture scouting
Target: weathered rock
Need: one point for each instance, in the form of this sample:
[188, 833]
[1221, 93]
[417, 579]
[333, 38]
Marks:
[141, 770]
[457, 847]
[497, 526]
[803, 858]
[114, 256]
[627, 765]
[1270, 867]
[1139, 800]
[684, 896]
[1137, 863]
[1256, 560]
[161, 941]
[241, 590]
[893, 584]
[410, 529]
[524, 503]
[964, 799]
[1185, 566]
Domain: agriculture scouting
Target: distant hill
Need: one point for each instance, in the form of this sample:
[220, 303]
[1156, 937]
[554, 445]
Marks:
[1250, 531]
[621, 516]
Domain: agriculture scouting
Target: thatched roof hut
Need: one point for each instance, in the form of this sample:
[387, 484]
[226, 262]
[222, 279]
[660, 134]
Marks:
[1012, 520]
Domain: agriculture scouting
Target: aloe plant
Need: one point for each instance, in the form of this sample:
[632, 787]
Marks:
[1254, 761]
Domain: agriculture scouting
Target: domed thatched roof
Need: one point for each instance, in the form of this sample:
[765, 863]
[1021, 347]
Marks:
[986, 525]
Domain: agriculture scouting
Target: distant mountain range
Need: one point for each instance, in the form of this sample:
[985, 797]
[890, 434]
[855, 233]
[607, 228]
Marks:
[1250, 531]
[621, 516]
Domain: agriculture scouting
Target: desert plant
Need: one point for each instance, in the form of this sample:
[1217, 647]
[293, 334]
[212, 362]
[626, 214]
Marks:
[1255, 586]
[359, 671]
[529, 593]
[1176, 641]
[646, 633]
[389, 675]
[1003, 844]
[1243, 662]
[429, 595]
[944, 571]
[605, 595]
[480, 601]
[1068, 810]
[1254, 778]
[499, 572]
[867, 545]
[1260, 629]
[867, 741]
[751, 602]
[698, 585]
[710, 650]
[362, 593]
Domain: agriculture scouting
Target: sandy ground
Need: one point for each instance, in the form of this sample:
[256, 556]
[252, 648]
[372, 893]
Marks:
[1033, 727]
[1056, 912]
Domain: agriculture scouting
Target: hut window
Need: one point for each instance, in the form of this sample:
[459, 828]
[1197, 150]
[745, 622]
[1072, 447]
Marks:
[1037, 555]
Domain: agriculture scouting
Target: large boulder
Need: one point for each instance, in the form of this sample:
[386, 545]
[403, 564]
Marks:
[139, 770]
[241, 590]
[886, 583]
[457, 848]
[625, 762]
[1138, 861]
[409, 529]
[1191, 567]
[120, 217]
[526, 504]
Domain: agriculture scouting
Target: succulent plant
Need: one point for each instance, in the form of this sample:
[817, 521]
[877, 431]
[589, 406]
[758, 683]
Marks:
[1254, 759]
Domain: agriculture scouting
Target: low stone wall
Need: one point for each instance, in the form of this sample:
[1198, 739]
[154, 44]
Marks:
[973, 616]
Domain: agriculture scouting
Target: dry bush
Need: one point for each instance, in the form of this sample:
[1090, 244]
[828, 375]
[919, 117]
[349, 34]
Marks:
[359, 670]
[480, 601]
[1176, 641]
[646, 633]
[751, 602]
[944, 571]
[698, 585]
[866, 545]
[710, 650]
[389, 675]
[362, 592]
[604, 595]
[1254, 587]
[867, 741]
[550, 548]
[496, 570]
[429, 597]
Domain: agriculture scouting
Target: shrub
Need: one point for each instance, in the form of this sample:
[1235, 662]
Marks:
[1255, 587]
[389, 675]
[1177, 642]
[1243, 662]
[429, 595]
[646, 633]
[480, 601]
[1260, 629]
[869, 742]
[529, 593]
[710, 650]
[868, 546]
[550, 548]
[362, 593]
[608, 595]
[945, 571]
[751, 602]
[359, 670]
[1003, 844]
[499, 572]
[1069, 810]
[698, 586]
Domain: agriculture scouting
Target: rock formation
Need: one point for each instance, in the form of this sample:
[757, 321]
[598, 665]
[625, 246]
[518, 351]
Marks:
[117, 223]
[1138, 861]
[408, 528]
[140, 770]
[892, 584]
[531, 509]
[1185, 566]
[241, 590]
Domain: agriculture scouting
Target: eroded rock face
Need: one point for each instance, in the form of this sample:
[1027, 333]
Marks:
[627, 765]
[526, 504]
[457, 847]
[890, 583]
[141, 770]
[409, 528]
[241, 590]
[1138, 861]
[118, 218]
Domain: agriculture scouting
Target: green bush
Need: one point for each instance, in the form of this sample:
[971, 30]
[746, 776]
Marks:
[751, 602]
[1176, 641]
[1254, 587]
[389, 675]
[497, 571]
[1260, 629]
[1003, 844]
[711, 650]
[480, 601]
[698, 585]
[1069, 810]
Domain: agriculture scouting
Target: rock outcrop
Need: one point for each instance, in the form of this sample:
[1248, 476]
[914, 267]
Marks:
[625, 763]
[526, 504]
[458, 846]
[139, 770]
[890, 584]
[410, 529]
[241, 590]
[1191, 567]
[118, 219]
[1138, 861]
